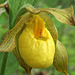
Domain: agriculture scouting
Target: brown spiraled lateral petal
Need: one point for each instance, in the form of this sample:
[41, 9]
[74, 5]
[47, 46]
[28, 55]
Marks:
[9, 42]
[49, 25]
[60, 58]
[62, 15]
[18, 56]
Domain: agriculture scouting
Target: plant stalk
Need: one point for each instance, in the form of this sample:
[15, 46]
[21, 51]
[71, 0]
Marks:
[4, 63]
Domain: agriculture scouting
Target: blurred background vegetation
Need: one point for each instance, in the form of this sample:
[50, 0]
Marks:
[66, 36]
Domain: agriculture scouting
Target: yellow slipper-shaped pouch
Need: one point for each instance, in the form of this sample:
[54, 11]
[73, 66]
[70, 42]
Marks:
[36, 44]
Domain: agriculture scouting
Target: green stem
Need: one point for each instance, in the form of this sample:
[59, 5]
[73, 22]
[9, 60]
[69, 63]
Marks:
[4, 63]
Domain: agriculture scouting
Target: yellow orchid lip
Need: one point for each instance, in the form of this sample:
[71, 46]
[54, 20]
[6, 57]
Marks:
[36, 45]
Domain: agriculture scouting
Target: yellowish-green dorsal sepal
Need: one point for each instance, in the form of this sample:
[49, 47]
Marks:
[9, 42]
[60, 58]
[49, 25]
[62, 15]
[18, 56]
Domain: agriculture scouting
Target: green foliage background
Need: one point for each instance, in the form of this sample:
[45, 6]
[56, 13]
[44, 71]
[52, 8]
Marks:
[66, 36]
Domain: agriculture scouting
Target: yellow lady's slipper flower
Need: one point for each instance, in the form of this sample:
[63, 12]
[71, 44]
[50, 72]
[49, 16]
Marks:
[34, 39]
[36, 44]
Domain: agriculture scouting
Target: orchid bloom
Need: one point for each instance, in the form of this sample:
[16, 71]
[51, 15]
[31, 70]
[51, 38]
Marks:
[34, 39]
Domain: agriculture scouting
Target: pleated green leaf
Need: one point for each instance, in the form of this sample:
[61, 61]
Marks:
[14, 6]
[60, 58]
[36, 2]
[21, 12]
[62, 15]
[2, 1]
